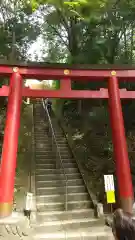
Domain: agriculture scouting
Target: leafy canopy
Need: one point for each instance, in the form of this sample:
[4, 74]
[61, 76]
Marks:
[80, 8]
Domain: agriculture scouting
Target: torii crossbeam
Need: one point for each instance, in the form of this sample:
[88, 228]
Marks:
[65, 73]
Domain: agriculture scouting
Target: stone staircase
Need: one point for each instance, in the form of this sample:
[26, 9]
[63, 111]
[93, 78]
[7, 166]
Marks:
[53, 222]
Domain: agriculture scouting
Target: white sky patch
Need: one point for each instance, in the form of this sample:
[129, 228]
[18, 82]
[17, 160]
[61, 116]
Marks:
[30, 82]
[37, 51]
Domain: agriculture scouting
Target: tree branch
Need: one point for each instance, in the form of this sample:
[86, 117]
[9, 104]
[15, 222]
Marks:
[64, 21]
[59, 35]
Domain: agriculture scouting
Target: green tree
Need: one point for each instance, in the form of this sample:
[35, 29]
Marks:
[17, 29]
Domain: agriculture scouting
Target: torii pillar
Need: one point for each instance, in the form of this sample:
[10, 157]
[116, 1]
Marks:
[122, 164]
[10, 144]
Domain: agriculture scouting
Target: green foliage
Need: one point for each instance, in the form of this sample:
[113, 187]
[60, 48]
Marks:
[36, 3]
[17, 29]
[80, 8]
[83, 9]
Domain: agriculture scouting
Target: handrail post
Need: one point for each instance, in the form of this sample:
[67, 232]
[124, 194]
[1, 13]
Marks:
[32, 172]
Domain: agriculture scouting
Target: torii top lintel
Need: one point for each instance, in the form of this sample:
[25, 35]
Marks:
[65, 73]
[44, 71]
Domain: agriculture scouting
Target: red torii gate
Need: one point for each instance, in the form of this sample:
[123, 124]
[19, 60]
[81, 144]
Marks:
[15, 92]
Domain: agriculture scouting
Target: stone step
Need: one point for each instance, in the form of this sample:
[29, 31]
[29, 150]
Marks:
[59, 134]
[39, 128]
[46, 165]
[70, 224]
[58, 206]
[38, 107]
[44, 142]
[68, 215]
[49, 157]
[63, 144]
[60, 139]
[53, 165]
[42, 177]
[57, 183]
[63, 148]
[91, 233]
[55, 206]
[44, 139]
[56, 171]
[42, 121]
[44, 151]
[64, 151]
[63, 140]
[37, 117]
[43, 131]
[65, 154]
[47, 150]
[51, 161]
[40, 145]
[60, 190]
[69, 164]
[41, 137]
[61, 197]
[38, 111]
[37, 121]
[47, 146]
[44, 156]
[43, 134]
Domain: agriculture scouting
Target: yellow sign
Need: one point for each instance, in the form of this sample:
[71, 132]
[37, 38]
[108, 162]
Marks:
[110, 197]
[109, 188]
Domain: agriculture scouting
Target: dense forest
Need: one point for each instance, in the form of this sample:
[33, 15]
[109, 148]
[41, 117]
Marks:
[85, 32]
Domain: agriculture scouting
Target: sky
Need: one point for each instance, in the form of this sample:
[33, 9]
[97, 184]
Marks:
[35, 52]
